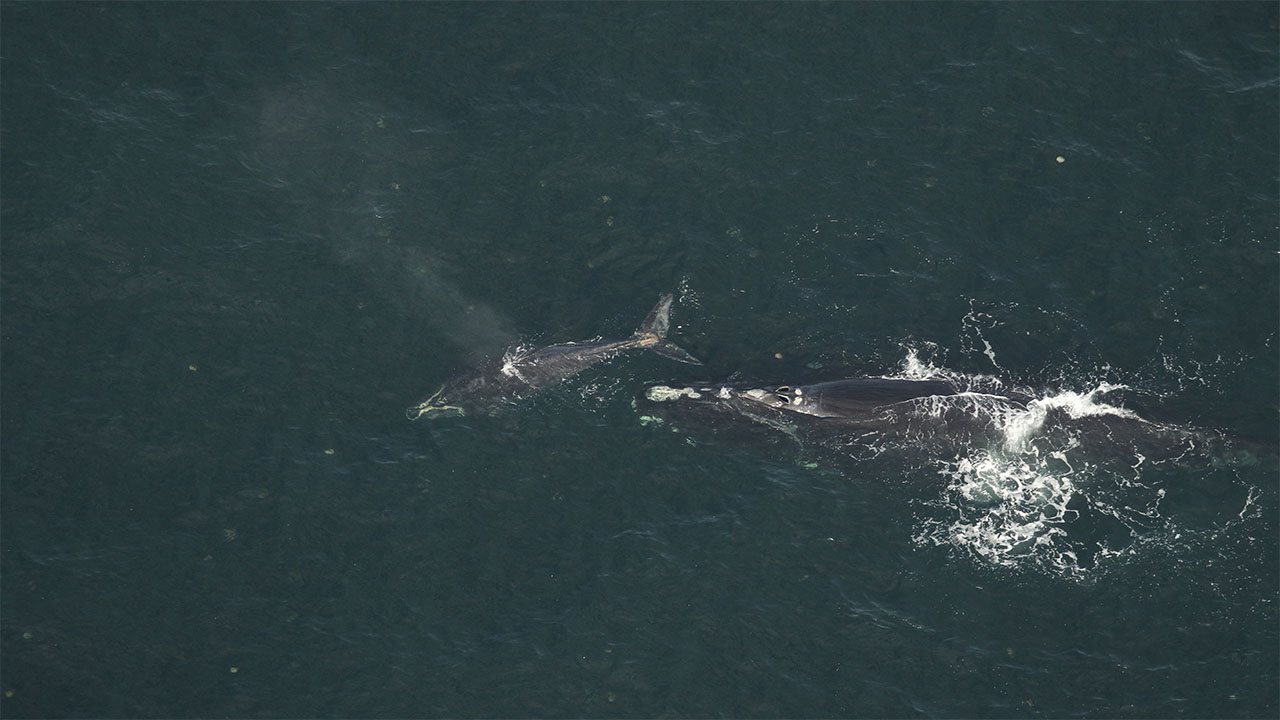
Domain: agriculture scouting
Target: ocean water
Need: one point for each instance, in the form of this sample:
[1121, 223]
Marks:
[237, 240]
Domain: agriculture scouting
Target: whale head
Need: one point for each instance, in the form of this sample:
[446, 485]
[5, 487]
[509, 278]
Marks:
[771, 398]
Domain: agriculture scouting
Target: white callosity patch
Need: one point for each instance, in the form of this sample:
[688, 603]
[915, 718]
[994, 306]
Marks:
[754, 394]
[662, 393]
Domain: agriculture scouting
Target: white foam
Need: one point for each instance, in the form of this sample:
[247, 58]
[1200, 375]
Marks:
[1017, 502]
[1006, 510]
[511, 360]
[1021, 426]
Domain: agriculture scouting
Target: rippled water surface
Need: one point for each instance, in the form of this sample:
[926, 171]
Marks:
[239, 239]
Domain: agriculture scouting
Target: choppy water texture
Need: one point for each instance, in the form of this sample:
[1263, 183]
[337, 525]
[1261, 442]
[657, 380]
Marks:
[239, 239]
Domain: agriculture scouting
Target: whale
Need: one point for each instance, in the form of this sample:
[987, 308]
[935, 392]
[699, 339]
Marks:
[862, 399]
[522, 371]
[945, 417]
[848, 399]
[936, 413]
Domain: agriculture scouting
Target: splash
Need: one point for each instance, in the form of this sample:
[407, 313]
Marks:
[915, 367]
[1022, 499]
[1007, 509]
[511, 360]
[1070, 482]
[1022, 426]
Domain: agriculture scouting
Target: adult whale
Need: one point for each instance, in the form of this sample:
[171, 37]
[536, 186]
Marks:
[520, 372]
[840, 412]
[854, 400]
[940, 415]
[851, 398]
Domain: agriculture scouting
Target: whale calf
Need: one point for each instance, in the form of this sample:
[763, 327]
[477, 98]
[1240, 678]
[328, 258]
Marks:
[523, 371]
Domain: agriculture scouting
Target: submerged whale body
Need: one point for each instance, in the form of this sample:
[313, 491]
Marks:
[521, 372]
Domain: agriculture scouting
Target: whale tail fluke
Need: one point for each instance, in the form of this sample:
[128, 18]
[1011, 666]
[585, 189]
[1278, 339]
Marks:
[653, 333]
[675, 352]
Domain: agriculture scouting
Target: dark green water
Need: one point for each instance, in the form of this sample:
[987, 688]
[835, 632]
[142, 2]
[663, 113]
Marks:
[239, 239]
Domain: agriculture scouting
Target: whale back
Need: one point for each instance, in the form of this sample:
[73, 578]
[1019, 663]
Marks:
[858, 397]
